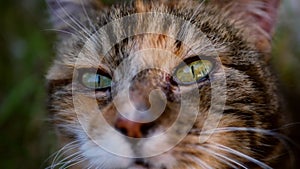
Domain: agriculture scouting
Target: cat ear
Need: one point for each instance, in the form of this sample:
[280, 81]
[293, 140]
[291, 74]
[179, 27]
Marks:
[259, 16]
[68, 16]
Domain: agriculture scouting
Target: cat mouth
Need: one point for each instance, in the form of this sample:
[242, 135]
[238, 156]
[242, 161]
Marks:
[138, 167]
[140, 164]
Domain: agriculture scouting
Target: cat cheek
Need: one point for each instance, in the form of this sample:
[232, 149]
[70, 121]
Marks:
[263, 45]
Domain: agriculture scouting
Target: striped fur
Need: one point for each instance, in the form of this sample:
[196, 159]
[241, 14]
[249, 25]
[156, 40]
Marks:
[247, 135]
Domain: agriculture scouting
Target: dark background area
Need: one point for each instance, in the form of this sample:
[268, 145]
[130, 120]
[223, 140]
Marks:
[26, 48]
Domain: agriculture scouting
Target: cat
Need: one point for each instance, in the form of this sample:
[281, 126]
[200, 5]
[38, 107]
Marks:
[165, 85]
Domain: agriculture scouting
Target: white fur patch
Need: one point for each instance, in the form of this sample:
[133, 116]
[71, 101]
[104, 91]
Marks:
[99, 157]
[157, 145]
[166, 160]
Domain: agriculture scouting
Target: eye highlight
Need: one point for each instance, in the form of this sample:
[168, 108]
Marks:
[95, 81]
[193, 72]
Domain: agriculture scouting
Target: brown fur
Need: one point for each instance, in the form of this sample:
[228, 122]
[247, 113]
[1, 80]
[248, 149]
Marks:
[242, 43]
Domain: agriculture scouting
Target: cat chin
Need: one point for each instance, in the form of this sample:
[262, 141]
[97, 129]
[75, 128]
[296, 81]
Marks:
[97, 155]
[137, 167]
[166, 160]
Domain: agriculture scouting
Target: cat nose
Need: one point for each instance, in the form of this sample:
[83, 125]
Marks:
[132, 129]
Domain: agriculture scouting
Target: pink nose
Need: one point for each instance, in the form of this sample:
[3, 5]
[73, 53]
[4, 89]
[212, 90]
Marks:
[129, 128]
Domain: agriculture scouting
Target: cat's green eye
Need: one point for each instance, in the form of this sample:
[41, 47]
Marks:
[193, 72]
[95, 81]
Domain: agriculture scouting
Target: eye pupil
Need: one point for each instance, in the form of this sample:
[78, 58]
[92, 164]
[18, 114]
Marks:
[99, 80]
[193, 71]
[95, 81]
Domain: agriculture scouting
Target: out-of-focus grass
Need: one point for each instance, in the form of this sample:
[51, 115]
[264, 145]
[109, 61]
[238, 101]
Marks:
[26, 52]
[25, 55]
[286, 62]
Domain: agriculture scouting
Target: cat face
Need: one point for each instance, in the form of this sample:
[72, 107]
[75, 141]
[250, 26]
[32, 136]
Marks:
[165, 85]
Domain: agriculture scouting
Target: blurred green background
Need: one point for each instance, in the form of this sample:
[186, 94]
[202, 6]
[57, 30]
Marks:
[25, 55]
[26, 47]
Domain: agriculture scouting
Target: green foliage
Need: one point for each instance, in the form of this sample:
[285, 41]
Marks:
[25, 55]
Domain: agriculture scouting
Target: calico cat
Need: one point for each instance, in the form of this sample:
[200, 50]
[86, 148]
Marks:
[165, 85]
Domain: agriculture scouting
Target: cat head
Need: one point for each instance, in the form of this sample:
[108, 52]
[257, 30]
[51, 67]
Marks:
[166, 84]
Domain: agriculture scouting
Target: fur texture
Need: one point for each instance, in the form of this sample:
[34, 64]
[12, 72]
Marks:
[159, 36]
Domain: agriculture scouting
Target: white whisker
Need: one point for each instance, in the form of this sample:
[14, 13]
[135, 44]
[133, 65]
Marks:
[198, 161]
[87, 16]
[195, 12]
[61, 31]
[76, 160]
[222, 158]
[74, 20]
[235, 152]
[65, 161]
[62, 151]
[90, 166]
[282, 138]
[67, 23]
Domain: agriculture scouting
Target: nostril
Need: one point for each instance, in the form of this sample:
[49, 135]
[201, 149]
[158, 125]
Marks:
[141, 162]
[132, 129]
[122, 130]
[146, 127]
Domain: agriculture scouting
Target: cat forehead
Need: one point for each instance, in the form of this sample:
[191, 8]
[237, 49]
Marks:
[227, 29]
[152, 30]
[118, 34]
[150, 50]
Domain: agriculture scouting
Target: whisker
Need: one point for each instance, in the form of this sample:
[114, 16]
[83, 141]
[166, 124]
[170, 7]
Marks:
[87, 16]
[61, 31]
[257, 130]
[198, 161]
[235, 152]
[65, 161]
[222, 158]
[74, 20]
[290, 125]
[90, 166]
[76, 160]
[197, 9]
[62, 151]
[285, 141]
[70, 156]
[99, 166]
[282, 138]
[67, 23]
